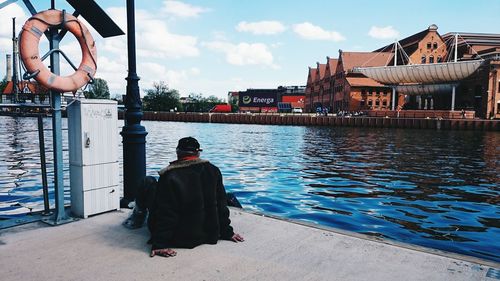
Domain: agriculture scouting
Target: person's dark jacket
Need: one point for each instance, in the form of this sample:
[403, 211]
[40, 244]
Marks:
[190, 206]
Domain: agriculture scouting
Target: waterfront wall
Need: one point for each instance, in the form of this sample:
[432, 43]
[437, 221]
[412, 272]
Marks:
[313, 120]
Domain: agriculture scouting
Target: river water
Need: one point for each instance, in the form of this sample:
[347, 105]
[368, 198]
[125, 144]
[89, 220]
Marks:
[439, 189]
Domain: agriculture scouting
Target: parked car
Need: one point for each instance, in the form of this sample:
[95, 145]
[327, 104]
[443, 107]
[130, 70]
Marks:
[297, 110]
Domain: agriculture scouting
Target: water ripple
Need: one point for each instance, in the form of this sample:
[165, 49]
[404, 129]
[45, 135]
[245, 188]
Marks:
[437, 189]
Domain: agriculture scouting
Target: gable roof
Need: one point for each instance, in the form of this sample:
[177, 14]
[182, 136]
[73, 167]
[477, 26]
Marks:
[410, 43]
[332, 65]
[406, 42]
[32, 87]
[364, 59]
[312, 75]
[320, 74]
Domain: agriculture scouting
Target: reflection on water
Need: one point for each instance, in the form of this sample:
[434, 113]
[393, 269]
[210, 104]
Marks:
[20, 173]
[437, 189]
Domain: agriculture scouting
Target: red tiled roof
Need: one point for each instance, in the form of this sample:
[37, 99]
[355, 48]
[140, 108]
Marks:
[363, 81]
[312, 75]
[332, 65]
[321, 70]
[32, 86]
[406, 42]
[365, 59]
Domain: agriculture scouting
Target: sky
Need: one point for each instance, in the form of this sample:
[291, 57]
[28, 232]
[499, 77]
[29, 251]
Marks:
[213, 47]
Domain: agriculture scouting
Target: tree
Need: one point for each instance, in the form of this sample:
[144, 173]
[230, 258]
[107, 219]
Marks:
[3, 84]
[234, 105]
[42, 92]
[198, 103]
[98, 90]
[161, 98]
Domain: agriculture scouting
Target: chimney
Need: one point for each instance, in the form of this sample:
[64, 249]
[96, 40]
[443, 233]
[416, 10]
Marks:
[9, 67]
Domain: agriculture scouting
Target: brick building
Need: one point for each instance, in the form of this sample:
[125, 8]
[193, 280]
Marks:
[353, 91]
[424, 71]
[30, 92]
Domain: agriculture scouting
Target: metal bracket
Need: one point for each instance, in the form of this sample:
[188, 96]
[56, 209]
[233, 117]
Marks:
[28, 75]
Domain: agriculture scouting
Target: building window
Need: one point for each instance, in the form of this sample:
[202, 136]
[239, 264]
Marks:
[440, 59]
[370, 92]
[429, 45]
[384, 103]
[423, 60]
[370, 103]
[498, 89]
[378, 93]
[377, 103]
[385, 93]
[431, 59]
[435, 45]
[363, 92]
[362, 103]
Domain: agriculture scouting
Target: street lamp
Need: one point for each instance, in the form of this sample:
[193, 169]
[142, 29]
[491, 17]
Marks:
[134, 135]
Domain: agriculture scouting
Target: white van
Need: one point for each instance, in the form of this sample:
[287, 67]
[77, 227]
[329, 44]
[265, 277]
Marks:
[297, 110]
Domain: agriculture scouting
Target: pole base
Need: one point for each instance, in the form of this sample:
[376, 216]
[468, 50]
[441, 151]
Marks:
[54, 220]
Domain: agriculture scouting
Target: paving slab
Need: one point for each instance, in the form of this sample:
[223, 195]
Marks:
[100, 248]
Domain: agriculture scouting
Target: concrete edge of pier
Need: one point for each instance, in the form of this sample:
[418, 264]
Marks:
[100, 248]
[384, 240]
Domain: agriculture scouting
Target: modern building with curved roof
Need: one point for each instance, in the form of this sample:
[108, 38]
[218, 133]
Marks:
[425, 71]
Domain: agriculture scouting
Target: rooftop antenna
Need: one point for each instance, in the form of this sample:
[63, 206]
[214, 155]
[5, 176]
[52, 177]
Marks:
[395, 52]
[393, 105]
[454, 87]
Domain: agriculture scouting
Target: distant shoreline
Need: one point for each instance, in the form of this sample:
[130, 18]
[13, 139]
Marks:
[332, 121]
[305, 119]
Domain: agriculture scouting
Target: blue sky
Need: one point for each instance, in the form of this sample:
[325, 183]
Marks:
[212, 47]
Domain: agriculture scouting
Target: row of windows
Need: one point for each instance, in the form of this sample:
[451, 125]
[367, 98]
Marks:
[370, 92]
[377, 103]
[431, 59]
[432, 45]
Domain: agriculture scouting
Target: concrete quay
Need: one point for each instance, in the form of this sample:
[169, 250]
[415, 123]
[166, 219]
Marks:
[100, 248]
[380, 120]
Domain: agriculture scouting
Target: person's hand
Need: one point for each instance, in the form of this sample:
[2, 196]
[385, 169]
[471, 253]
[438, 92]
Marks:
[237, 238]
[163, 253]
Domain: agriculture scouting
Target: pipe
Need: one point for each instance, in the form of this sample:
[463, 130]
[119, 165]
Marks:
[43, 164]
[9, 67]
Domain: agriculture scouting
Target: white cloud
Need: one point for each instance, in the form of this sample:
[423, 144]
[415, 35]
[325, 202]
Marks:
[153, 38]
[261, 27]
[309, 31]
[244, 53]
[6, 15]
[175, 79]
[182, 10]
[387, 32]
[154, 43]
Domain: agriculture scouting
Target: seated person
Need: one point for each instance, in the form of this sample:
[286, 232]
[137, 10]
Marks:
[188, 205]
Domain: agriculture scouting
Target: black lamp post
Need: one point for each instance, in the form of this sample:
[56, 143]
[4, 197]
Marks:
[134, 135]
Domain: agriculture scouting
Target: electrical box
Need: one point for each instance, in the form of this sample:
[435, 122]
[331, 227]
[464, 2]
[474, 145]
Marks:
[93, 156]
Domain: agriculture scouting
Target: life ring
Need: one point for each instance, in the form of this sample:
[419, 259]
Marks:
[29, 39]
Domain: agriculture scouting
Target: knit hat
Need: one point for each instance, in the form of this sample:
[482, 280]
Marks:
[189, 144]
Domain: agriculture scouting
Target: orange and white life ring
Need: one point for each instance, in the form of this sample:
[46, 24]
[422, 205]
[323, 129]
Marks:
[29, 39]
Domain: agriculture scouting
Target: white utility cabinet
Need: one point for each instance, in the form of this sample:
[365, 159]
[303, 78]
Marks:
[93, 156]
